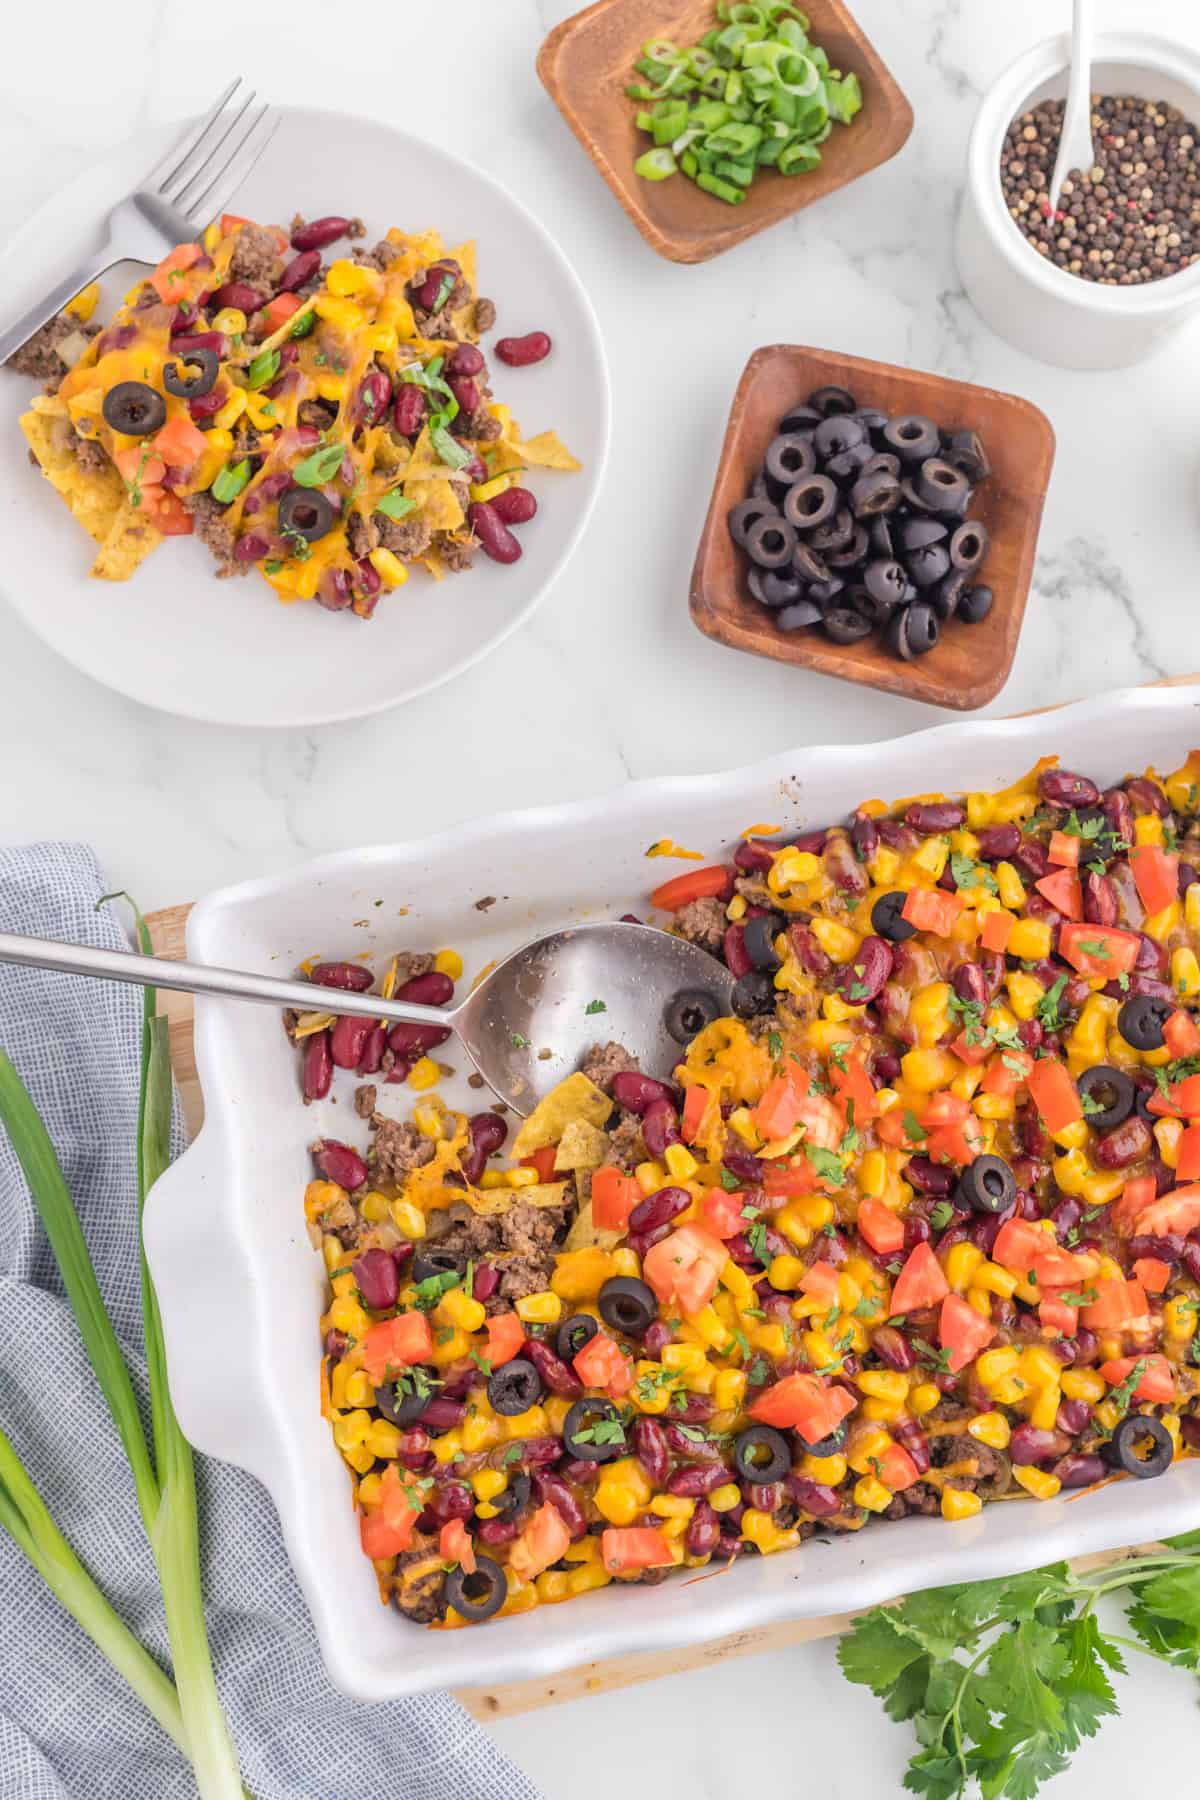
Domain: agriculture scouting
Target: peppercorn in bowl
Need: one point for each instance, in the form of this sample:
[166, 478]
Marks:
[240, 1270]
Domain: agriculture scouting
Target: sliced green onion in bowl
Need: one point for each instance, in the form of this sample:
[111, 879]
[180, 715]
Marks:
[656, 165]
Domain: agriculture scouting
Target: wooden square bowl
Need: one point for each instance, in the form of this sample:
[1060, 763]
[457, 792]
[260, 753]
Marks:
[586, 62]
[970, 663]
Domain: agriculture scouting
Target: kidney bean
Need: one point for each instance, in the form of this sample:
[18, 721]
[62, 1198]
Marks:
[1031, 1445]
[741, 1162]
[558, 1376]
[986, 1230]
[466, 360]
[765, 1496]
[300, 269]
[842, 867]
[1168, 1248]
[1191, 1258]
[807, 951]
[909, 1433]
[1030, 1033]
[414, 1040]
[117, 337]
[443, 1413]
[929, 1177]
[495, 539]
[1099, 900]
[861, 980]
[498, 1531]
[412, 1448]
[487, 1132]
[660, 1127]
[252, 546]
[314, 234]
[1145, 796]
[970, 984]
[1124, 1144]
[694, 1482]
[1074, 1416]
[893, 1348]
[1188, 873]
[516, 505]
[239, 294]
[1151, 957]
[687, 1444]
[733, 948]
[266, 490]
[931, 817]
[371, 1058]
[864, 835]
[641, 1241]
[348, 1041]
[703, 1533]
[578, 1471]
[885, 1069]
[1190, 1431]
[1086, 1346]
[651, 1449]
[374, 392]
[318, 1066]
[917, 1229]
[659, 1208]
[552, 1489]
[997, 843]
[1080, 1471]
[1031, 859]
[201, 340]
[695, 1409]
[958, 1233]
[400, 1070]
[450, 1500]
[485, 1281]
[339, 1163]
[408, 409]
[637, 1092]
[656, 1338]
[205, 406]
[466, 392]
[541, 1451]
[1066, 1215]
[1115, 806]
[811, 1496]
[752, 857]
[1060, 787]
[427, 294]
[520, 352]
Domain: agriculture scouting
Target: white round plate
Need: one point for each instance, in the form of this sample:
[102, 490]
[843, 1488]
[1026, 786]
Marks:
[226, 651]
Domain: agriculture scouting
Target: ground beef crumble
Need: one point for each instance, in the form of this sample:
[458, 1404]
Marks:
[38, 357]
[91, 456]
[397, 1149]
[256, 260]
[365, 1098]
[406, 538]
[627, 1147]
[603, 1061]
[703, 922]
[214, 529]
[520, 1242]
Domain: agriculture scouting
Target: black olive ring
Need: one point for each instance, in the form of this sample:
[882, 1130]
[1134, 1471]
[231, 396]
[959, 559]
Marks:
[134, 409]
[573, 1334]
[514, 1387]
[584, 1416]
[987, 1185]
[307, 513]
[690, 1011]
[1112, 1094]
[762, 1454]
[477, 1596]
[1124, 1450]
[628, 1305]
[190, 387]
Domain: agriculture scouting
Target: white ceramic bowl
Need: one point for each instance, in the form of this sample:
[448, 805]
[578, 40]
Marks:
[1023, 297]
[241, 1289]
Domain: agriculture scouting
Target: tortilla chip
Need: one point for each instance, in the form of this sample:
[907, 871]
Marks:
[498, 1200]
[438, 505]
[574, 1098]
[581, 1146]
[547, 451]
[583, 1235]
[128, 544]
[96, 499]
[434, 564]
[424, 464]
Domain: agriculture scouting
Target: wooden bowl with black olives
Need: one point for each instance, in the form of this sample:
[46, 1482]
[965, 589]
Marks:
[874, 523]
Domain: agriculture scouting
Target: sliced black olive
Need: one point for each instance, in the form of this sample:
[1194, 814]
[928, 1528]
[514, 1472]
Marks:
[871, 417]
[918, 533]
[481, 1594]
[975, 605]
[826, 1446]
[883, 534]
[404, 1400]
[190, 387]
[426, 1263]
[810, 502]
[592, 1430]
[804, 419]
[788, 457]
[745, 514]
[1141, 1020]
[887, 581]
[514, 1387]
[910, 496]
[688, 1012]
[762, 1454]
[942, 487]
[885, 461]
[912, 436]
[949, 594]
[758, 488]
[965, 450]
[628, 1305]
[758, 939]
[573, 1334]
[774, 587]
[853, 553]
[845, 626]
[927, 565]
[753, 994]
[969, 545]
[1112, 1094]
[987, 1185]
[1142, 1446]
[874, 610]
[825, 593]
[914, 631]
[799, 616]
[838, 432]
[887, 918]
[134, 409]
[827, 400]
[305, 512]
[835, 533]
[808, 564]
[849, 464]
[875, 491]
[514, 1498]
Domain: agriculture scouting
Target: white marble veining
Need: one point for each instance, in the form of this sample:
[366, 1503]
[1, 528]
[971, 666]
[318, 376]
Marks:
[611, 681]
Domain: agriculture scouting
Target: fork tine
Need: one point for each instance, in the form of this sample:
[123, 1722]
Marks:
[232, 121]
[193, 137]
[237, 167]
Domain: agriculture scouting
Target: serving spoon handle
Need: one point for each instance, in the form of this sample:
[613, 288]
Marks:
[1075, 147]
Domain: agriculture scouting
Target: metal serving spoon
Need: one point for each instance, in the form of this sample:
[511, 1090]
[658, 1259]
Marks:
[1075, 147]
[525, 1026]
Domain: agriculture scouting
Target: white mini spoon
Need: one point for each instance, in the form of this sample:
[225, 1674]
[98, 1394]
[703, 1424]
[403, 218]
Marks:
[1075, 149]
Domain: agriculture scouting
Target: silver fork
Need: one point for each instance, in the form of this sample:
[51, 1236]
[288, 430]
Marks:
[194, 182]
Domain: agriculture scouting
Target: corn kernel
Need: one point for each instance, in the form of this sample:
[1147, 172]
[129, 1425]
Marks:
[923, 1398]
[1011, 887]
[671, 1506]
[736, 1282]
[361, 1459]
[540, 1309]
[871, 1493]
[408, 1218]
[884, 1384]
[383, 1439]
[927, 1070]
[1044, 1411]
[370, 1491]
[837, 940]
[1191, 907]
[726, 1497]
[683, 1356]
[882, 1412]
[1147, 829]
[961, 1264]
[457, 1307]
[930, 1012]
[865, 1446]
[1030, 940]
[680, 1162]
[1040, 1367]
[625, 1261]
[830, 1471]
[425, 1074]
[1024, 993]
[449, 962]
[1185, 971]
[786, 1273]
[729, 1390]
[958, 1503]
[1036, 1481]
[388, 567]
[359, 1391]
[993, 1365]
[650, 1176]
[1179, 1319]
[351, 1429]
[991, 1428]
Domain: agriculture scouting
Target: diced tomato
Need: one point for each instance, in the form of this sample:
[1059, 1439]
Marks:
[614, 1196]
[778, 1112]
[172, 517]
[1063, 849]
[1054, 1094]
[944, 1109]
[139, 467]
[997, 929]
[1187, 1155]
[179, 442]
[601, 1364]
[960, 1143]
[854, 1087]
[695, 1105]
[723, 1214]
[1153, 1273]
[1098, 950]
[1177, 1212]
[1059, 1268]
[1063, 891]
[697, 884]
[389, 1531]
[456, 1545]
[685, 1267]
[823, 1124]
[543, 1162]
[1157, 1383]
[880, 1226]
[891, 1129]
[963, 1332]
[1186, 1095]
[230, 222]
[541, 1543]
[806, 1403]
[933, 909]
[897, 1470]
[789, 1180]
[971, 1046]
[396, 1344]
[1018, 1245]
[627, 1548]
[379, 1539]
[1181, 1034]
[1006, 1072]
[280, 309]
[1136, 1196]
[1118, 1302]
[820, 1281]
[506, 1333]
[1055, 1315]
[168, 277]
[1156, 873]
[920, 1282]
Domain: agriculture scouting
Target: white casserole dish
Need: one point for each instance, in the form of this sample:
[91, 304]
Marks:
[241, 1289]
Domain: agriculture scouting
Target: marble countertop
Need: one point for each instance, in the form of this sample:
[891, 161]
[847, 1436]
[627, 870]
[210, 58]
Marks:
[611, 681]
